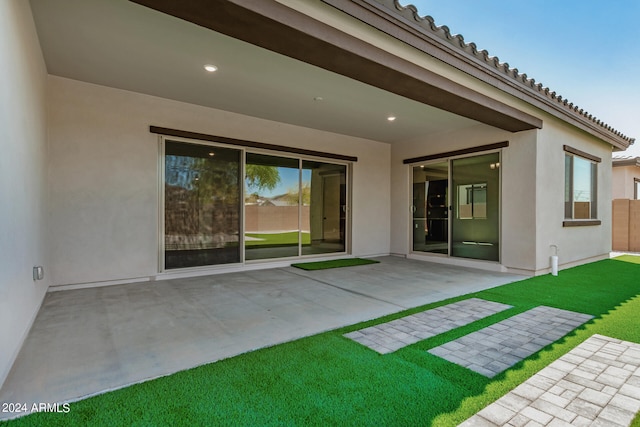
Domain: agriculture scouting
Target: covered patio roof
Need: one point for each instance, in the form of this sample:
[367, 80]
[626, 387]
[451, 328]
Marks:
[280, 64]
[273, 63]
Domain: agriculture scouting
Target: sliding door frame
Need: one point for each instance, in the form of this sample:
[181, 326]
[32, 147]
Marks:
[449, 158]
[299, 155]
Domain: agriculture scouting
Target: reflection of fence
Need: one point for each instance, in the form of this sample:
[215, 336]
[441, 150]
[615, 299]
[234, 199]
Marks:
[626, 225]
[275, 218]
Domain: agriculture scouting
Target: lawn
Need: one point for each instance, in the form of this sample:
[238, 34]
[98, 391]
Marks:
[277, 239]
[327, 379]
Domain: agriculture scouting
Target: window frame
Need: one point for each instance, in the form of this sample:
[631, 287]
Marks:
[569, 203]
[300, 156]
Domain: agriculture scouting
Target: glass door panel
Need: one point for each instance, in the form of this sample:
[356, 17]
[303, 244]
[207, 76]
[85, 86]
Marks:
[323, 210]
[475, 218]
[430, 208]
[272, 217]
[201, 205]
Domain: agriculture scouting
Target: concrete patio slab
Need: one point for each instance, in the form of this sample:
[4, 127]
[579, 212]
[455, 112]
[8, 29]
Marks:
[87, 341]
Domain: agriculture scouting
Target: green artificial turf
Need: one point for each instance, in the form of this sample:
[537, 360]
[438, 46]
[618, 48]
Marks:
[277, 239]
[327, 379]
[336, 263]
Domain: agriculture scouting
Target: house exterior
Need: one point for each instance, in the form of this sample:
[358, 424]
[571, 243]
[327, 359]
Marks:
[626, 205]
[626, 177]
[126, 161]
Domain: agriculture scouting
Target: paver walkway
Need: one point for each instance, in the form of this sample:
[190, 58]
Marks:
[495, 348]
[392, 336]
[595, 384]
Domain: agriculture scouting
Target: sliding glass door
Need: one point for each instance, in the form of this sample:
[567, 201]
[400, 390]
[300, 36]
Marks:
[456, 207]
[271, 207]
[324, 207]
[286, 207]
[430, 208]
[293, 207]
[201, 205]
[475, 228]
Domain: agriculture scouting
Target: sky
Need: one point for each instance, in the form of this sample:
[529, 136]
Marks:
[288, 181]
[587, 51]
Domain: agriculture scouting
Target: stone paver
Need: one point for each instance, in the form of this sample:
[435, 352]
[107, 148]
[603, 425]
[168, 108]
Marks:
[495, 348]
[595, 384]
[391, 336]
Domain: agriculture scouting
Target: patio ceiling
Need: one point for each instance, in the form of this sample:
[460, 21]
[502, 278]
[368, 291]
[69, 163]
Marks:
[127, 46]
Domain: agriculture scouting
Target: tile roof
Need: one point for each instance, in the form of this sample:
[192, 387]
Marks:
[443, 33]
[626, 161]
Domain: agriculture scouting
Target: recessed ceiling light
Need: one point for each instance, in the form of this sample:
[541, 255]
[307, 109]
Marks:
[318, 98]
[211, 153]
[391, 118]
[210, 68]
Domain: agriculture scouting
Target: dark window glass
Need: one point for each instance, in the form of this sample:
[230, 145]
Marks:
[201, 205]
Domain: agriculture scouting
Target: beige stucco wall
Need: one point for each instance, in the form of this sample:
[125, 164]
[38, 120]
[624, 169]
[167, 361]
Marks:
[23, 177]
[532, 210]
[104, 177]
[575, 244]
[623, 181]
[533, 174]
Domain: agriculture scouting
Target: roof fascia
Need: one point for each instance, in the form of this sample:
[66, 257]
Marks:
[626, 162]
[466, 58]
[276, 27]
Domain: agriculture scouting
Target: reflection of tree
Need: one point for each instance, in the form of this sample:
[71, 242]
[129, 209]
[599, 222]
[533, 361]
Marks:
[201, 196]
[292, 195]
[261, 177]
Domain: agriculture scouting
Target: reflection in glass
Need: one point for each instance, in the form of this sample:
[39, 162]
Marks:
[323, 210]
[472, 201]
[272, 227]
[430, 208]
[202, 205]
[475, 228]
[580, 188]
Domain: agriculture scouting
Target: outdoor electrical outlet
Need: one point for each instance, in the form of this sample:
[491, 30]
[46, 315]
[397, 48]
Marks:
[38, 272]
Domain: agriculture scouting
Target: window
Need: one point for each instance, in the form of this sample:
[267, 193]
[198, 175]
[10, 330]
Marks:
[294, 205]
[202, 208]
[636, 188]
[580, 186]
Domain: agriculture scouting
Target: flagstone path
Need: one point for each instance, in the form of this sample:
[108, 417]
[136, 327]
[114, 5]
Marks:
[595, 384]
[391, 336]
[496, 348]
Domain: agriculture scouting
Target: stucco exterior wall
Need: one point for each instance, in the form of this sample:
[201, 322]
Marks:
[575, 244]
[623, 181]
[519, 200]
[23, 177]
[104, 177]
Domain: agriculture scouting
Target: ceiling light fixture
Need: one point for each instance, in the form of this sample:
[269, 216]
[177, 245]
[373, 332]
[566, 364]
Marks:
[318, 98]
[391, 118]
[210, 68]
[211, 153]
